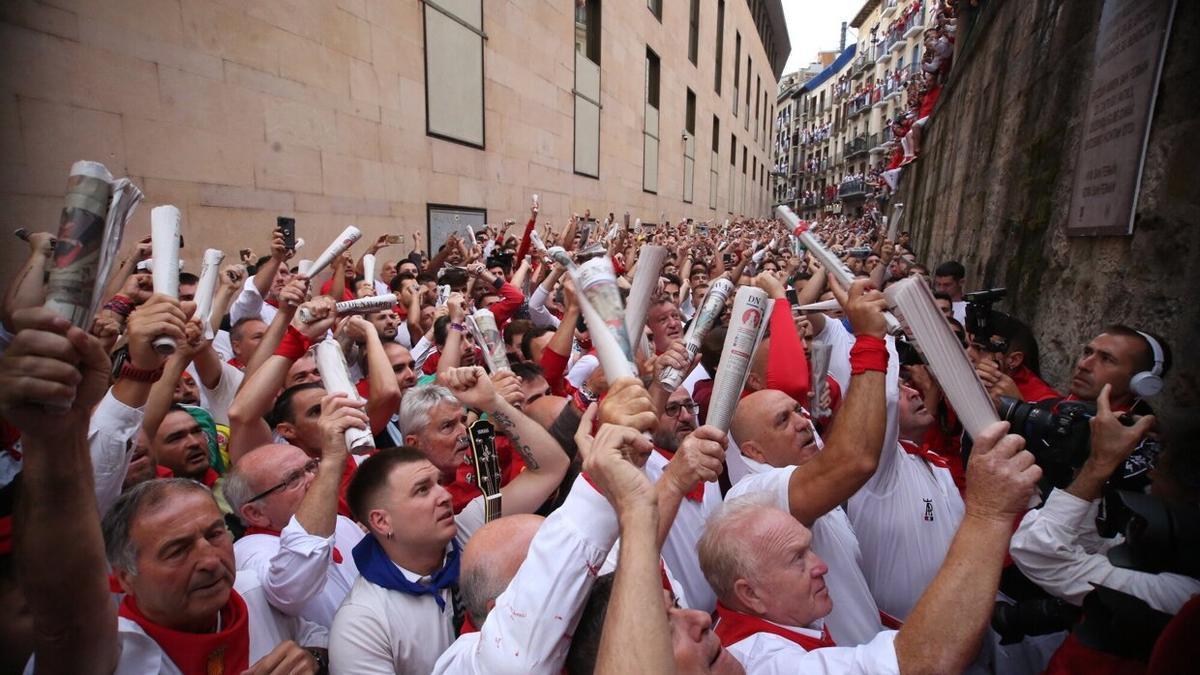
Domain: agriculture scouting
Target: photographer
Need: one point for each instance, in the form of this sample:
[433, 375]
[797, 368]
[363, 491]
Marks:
[1133, 362]
[1007, 361]
[1059, 547]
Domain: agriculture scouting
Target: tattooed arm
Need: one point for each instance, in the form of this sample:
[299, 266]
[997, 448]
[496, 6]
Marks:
[545, 461]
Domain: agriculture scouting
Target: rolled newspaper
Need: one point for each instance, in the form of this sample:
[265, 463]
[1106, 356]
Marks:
[95, 210]
[299, 245]
[491, 341]
[369, 269]
[206, 287]
[443, 295]
[710, 310]
[559, 255]
[164, 246]
[645, 281]
[600, 302]
[746, 326]
[828, 260]
[338, 246]
[536, 240]
[822, 306]
[374, 303]
[947, 360]
[818, 369]
[336, 376]
[894, 222]
[304, 267]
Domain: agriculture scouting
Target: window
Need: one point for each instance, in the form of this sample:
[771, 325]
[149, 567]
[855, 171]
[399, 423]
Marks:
[745, 169]
[443, 220]
[650, 128]
[732, 172]
[758, 106]
[454, 71]
[720, 46]
[689, 146]
[587, 88]
[694, 33]
[655, 7]
[714, 163]
[746, 117]
[737, 74]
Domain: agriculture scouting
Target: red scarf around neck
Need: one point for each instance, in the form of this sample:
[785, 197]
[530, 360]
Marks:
[733, 627]
[337, 555]
[925, 453]
[226, 651]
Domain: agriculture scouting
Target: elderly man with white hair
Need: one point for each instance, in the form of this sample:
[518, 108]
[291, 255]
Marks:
[772, 596]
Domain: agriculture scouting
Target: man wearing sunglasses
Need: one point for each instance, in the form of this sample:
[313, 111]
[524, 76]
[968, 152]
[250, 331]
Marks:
[295, 540]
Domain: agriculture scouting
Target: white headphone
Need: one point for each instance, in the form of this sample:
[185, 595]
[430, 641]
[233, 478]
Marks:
[1149, 382]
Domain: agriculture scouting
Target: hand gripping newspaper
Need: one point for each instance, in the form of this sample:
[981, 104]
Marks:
[331, 363]
[710, 310]
[751, 307]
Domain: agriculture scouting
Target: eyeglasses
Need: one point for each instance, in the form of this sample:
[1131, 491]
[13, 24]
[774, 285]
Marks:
[673, 409]
[291, 482]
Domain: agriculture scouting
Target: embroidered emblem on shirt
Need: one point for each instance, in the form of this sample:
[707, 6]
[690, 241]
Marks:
[928, 509]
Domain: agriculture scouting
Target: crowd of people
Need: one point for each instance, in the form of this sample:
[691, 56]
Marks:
[203, 511]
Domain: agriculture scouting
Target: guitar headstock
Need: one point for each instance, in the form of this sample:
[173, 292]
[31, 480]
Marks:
[484, 459]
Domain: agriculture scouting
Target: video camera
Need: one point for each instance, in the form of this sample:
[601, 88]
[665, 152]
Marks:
[983, 323]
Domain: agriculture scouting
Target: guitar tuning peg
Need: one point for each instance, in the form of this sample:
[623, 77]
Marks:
[471, 479]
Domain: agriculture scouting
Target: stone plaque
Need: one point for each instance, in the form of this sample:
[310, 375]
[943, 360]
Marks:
[446, 219]
[1128, 57]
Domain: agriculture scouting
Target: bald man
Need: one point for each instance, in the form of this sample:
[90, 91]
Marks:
[491, 560]
[295, 540]
[784, 457]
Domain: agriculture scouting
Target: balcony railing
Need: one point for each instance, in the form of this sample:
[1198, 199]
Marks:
[860, 65]
[853, 189]
[889, 8]
[856, 146]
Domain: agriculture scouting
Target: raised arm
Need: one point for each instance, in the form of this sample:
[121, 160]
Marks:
[74, 617]
[28, 289]
[851, 452]
[545, 461]
[383, 394]
[264, 276]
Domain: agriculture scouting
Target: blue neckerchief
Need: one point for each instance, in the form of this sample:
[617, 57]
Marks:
[376, 567]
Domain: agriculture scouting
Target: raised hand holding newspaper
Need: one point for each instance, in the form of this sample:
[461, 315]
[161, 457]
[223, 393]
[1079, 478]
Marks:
[711, 309]
[645, 280]
[368, 262]
[164, 242]
[600, 302]
[374, 303]
[746, 326]
[331, 363]
[95, 211]
[488, 336]
[337, 247]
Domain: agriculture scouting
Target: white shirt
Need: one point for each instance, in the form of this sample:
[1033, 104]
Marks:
[249, 303]
[140, 654]
[538, 314]
[959, 309]
[529, 629]
[1058, 547]
[855, 617]
[770, 654]
[582, 369]
[377, 630]
[297, 568]
[905, 518]
[679, 549]
[110, 430]
[218, 399]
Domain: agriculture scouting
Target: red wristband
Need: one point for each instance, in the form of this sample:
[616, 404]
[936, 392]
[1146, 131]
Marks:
[294, 345]
[868, 353]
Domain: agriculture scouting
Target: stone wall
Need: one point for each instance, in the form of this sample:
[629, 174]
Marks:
[992, 187]
[237, 112]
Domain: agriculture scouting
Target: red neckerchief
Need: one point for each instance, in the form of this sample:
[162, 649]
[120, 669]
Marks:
[733, 627]
[696, 494]
[201, 653]
[210, 478]
[343, 505]
[337, 555]
[925, 454]
[236, 363]
[468, 626]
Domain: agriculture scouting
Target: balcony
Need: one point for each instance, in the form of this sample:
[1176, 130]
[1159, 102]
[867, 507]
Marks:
[897, 43]
[856, 146]
[861, 64]
[883, 50]
[855, 189]
[858, 104]
[889, 8]
[916, 24]
[884, 138]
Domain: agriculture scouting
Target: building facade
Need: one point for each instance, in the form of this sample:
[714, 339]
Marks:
[838, 129]
[392, 115]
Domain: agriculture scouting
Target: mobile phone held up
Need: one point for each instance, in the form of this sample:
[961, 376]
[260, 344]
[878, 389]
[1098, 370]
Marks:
[288, 227]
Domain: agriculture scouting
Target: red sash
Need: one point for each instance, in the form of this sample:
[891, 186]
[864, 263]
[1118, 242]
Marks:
[733, 627]
[337, 555]
[925, 453]
[202, 653]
